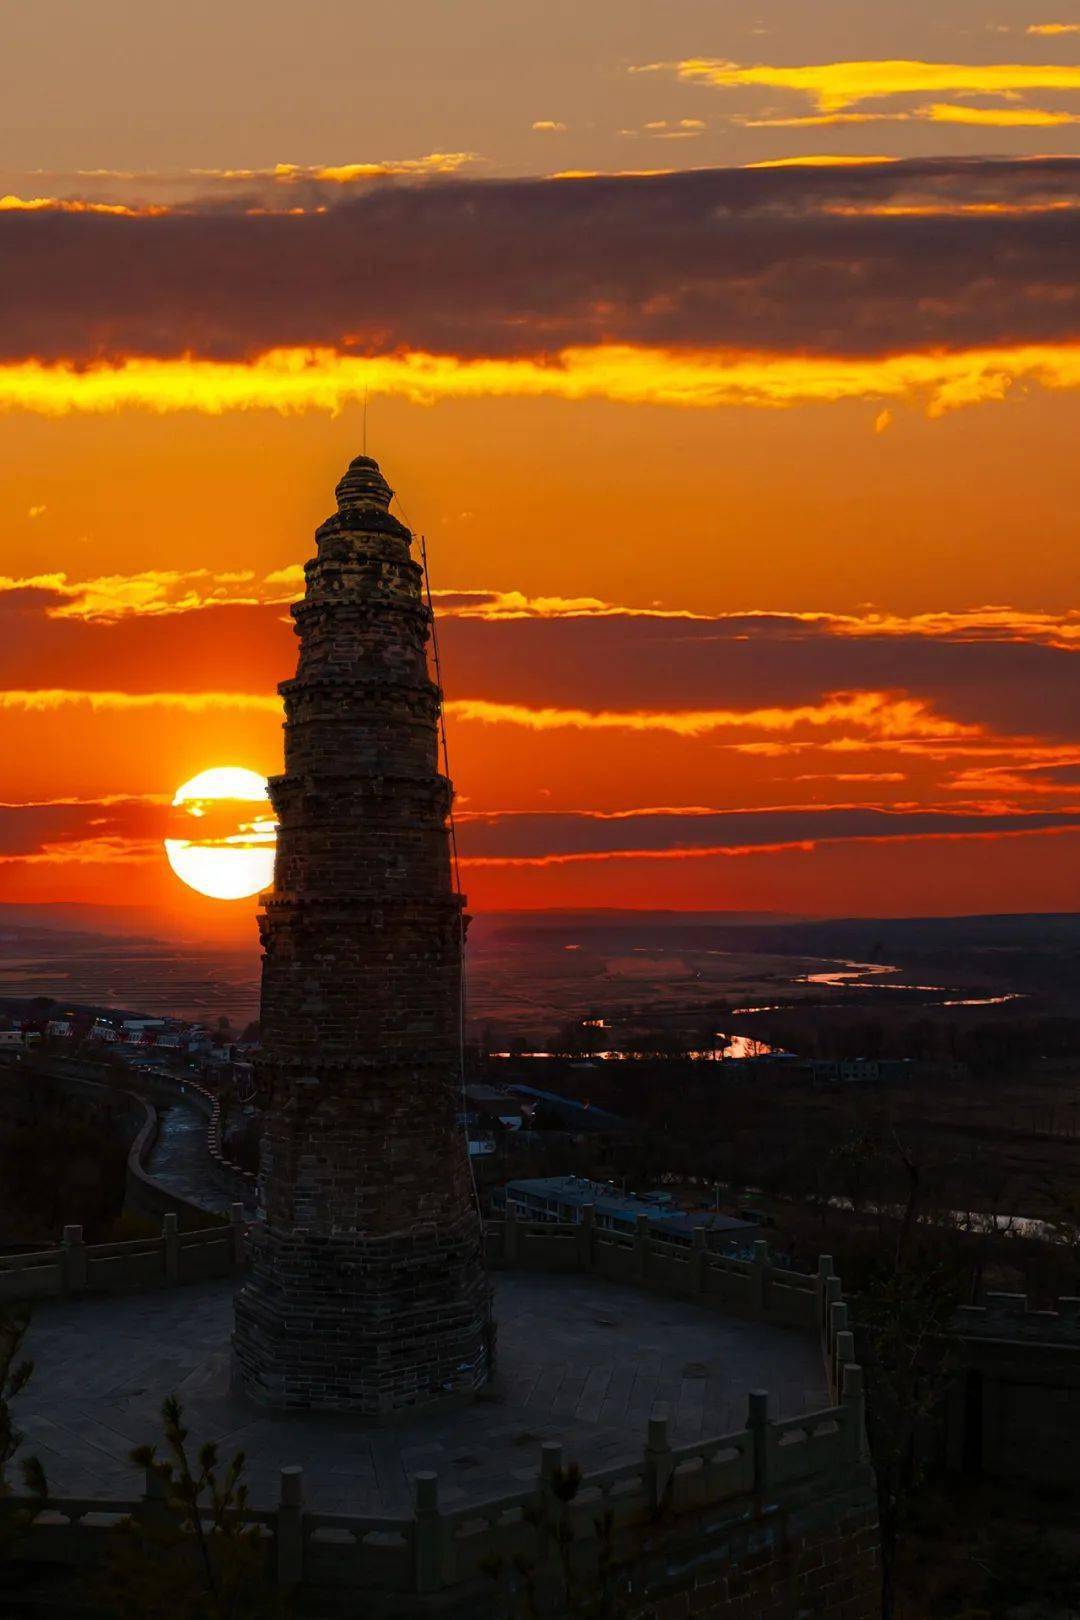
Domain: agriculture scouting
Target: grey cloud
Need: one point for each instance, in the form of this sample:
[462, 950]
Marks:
[750, 258]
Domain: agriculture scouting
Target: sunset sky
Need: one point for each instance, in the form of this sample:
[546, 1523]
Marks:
[728, 356]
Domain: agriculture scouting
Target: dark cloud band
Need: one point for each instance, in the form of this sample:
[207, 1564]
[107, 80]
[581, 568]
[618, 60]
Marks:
[31, 829]
[784, 260]
[1011, 687]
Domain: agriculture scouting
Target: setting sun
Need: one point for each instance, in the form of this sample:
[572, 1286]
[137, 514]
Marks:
[229, 853]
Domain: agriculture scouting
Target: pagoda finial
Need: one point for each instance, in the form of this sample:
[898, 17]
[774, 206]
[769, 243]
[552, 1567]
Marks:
[363, 485]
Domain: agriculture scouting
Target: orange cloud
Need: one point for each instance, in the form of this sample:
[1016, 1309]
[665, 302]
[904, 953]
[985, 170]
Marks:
[1056, 775]
[42, 700]
[836, 85]
[821, 160]
[99, 851]
[501, 605]
[163, 592]
[345, 174]
[953, 209]
[669, 129]
[1052, 28]
[820, 121]
[852, 776]
[996, 117]
[288, 380]
[75, 205]
[155, 591]
[989, 622]
[937, 113]
[879, 713]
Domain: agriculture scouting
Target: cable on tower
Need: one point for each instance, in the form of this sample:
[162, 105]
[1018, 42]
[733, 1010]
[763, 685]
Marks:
[454, 859]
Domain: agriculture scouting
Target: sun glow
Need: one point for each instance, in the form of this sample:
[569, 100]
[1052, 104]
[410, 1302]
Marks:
[229, 854]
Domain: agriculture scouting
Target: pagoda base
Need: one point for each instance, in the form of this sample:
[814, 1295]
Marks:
[379, 1328]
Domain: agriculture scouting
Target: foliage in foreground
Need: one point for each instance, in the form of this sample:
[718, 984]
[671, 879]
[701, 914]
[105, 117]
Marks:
[195, 1555]
[15, 1373]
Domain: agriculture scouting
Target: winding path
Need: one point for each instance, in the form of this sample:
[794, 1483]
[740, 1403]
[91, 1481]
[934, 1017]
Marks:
[179, 1160]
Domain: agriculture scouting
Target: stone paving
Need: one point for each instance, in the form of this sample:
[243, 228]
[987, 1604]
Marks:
[179, 1158]
[580, 1360]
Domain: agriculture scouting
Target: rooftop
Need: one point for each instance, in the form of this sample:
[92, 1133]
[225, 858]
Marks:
[577, 1191]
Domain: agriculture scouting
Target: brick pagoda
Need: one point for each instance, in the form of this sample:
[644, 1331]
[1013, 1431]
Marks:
[367, 1291]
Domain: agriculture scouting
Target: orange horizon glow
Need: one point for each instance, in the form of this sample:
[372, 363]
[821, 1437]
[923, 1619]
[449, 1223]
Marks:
[742, 448]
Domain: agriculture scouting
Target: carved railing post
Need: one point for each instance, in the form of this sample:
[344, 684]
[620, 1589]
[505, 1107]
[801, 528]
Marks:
[659, 1462]
[833, 1287]
[824, 1272]
[170, 1243]
[760, 1276]
[584, 1236]
[73, 1260]
[510, 1236]
[699, 1260]
[551, 1453]
[427, 1534]
[641, 1247]
[290, 1528]
[854, 1401]
[843, 1352]
[757, 1421]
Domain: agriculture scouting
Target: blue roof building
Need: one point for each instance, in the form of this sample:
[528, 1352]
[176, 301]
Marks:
[562, 1198]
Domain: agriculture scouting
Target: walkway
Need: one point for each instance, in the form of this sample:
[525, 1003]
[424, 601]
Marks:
[179, 1160]
[580, 1360]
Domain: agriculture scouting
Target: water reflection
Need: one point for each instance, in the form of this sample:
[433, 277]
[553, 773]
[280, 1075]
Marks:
[848, 975]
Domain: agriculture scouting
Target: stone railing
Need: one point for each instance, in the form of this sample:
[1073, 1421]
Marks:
[752, 1288]
[777, 1464]
[1009, 1316]
[651, 1259]
[812, 1466]
[808, 1470]
[76, 1267]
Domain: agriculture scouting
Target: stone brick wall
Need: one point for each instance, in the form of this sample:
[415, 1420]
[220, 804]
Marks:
[1013, 1409]
[367, 1291]
[818, 1559]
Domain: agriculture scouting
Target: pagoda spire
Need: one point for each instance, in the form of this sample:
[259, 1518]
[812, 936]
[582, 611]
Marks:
[367, 1291]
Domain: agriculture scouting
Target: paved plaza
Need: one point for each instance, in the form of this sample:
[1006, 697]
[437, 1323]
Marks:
[579, 1360]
